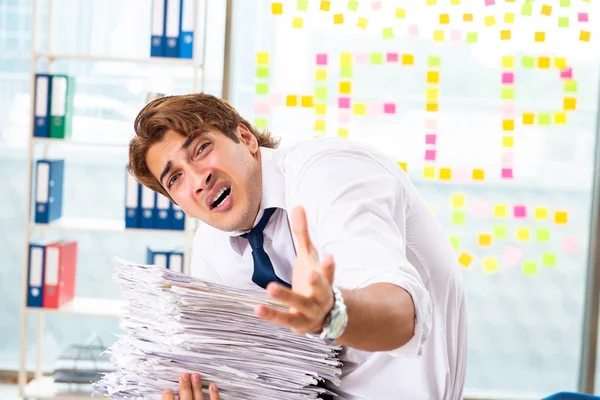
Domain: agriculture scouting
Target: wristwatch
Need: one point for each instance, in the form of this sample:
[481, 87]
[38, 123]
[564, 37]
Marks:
[337, 319]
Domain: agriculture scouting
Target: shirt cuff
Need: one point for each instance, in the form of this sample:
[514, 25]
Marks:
[423, 310]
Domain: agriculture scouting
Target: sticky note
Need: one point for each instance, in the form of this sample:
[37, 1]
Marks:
[508, 141]
[321, 109]
[561, 217]
[582, 17]
[430, 124]
[325, 5]
[376, 58]
[543, 119]
[455, 35]
[431, 107]
[307, 101]
[507, 93]
[276, 8]
[459, 218]
[560, 118]
[546, 10]
[261, 107]
[584, 36]
[484, 239]
[490, 265]
[468, 17]
[431, 93]
[338, 19]
[391, 57]
[457, 200]
[433, 62]
[563, 22]
[500, 210]
[262, 72]
[454, 242]
[321, 92]
[262, 88]
[506, 173]
[540, 36]
[511, 255]
[343, 132]
[526, 9]
[471, 37]
[478, 175]
[505, 34]
[320, 125]
[508, 62]
[260, 123]
[489, 2]
[430, 2]
[523, 233]
[528, 62]
[433, 77]
[346, 59]
[389, 108]
[490, 20]
[560, 62]
[352, 5]
[262, 58]
[540, 213]
[387, 33]
[344, 102]
[376, 5]
[291, 100]
[430, 139]
[543, 62]
[500, 231]
[570, 86]
[297, 22]
[345, 87]
[565, 3]
[444, 19]
[520, 211]
[438, 36]
[346, 72]
[362, 22]
[455, 2]
[480, 208]
[400, 13]
[429, 172]
[402, 165]
[570, 244]
[509, 18]
[302, 5]
[465, 259]
[567, 73]
[569, 103]
[529, 267]
[445, 174]
[508, 125]
[528, 118]
[549, 259]
[408, 59]
[360, 108]
[542, 234]
[321, 74]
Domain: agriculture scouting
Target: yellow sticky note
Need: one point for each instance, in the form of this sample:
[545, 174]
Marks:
[457, 200]
[528, 118]
[291, 100]
[455, 2]
[540, 36]
[546, 10]
[484, 239]
[508, 141]
[509, 18]
[320, 125]
[500, 210]
[569, 103]
[560, 62]
[325, 5]
[345, 87]
[431, 107]
[508, 62]
[432, 93]
[468, 17]
[343, 132]
[321, 74]
[444, 19]
[438, 36]
[505, 34]
[543, 62]
[508, 125]
[338, 19]
[276, 8]
[465, 259]
[429, 172]
[402, 165]
[530, 267]
[321, 109]
[346, 59]
[490, 265]
[433, 77]
[540, 213]
[561, 217]
[362, 22]
[560, 118]
[490, 20]
[359, 108]
[297, 22]
[445, 174]
[408, 59]
[430, 2]
[307, 101]
[478, 175]
[400, 13]
[584, 36]
[262, 58]
[523, 233]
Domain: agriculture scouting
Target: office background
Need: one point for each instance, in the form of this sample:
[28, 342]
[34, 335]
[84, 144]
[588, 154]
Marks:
[491, 107]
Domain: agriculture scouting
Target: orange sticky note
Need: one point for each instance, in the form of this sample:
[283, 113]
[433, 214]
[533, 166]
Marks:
[408, 59]
[402, 165]
[546, 10]
[478, 175]
[325, 5]
[444, 19]
[345, 87]
[561, 217]
[543, 62]
[505, 34]
[508, 125]
[569, 103]
[338, 19]
[584, 36]
[307, 101]
[465, 259]
[528, 118]
[540, 36]
[484, 239]
[433, 77]
[276, 8]
[468, 17]
[431, 107]
[445, 174]
[291, 100]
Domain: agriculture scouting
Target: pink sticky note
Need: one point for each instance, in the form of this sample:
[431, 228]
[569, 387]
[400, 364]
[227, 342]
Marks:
[508, 77]
[507, 173]
[361, 58]
[376, 5]
[275, 99]
[389, 108]
[344, 102]
[583, 17]
[261, 107]
[480, 208]
[569, 244]
[520, 211]
[461, 175]
[344, 116]
[430, 138]
[489, 2]
[508, 110]
[507, 160]
[566, 73]
[512, 255]
[455, 35]
[430, 124]
[374, 108]
[321, 59]
[430, 155]
[392, 57]
[413, 30]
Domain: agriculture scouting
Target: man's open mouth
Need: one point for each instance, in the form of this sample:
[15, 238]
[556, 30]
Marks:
[220, 197]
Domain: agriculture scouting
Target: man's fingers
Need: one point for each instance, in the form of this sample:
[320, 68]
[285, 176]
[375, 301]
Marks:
[328, 268]
[289, 297]
[300, 230]
[168, 395]
[185, 388]
[197, 387]
[296, 321]
[213, 392]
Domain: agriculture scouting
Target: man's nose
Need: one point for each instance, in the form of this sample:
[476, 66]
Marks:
[203, 181]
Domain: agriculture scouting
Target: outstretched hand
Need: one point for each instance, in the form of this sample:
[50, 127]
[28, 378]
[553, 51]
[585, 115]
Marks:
[311, 297]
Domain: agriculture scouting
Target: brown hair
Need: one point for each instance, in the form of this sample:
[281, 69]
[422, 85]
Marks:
[186, 115]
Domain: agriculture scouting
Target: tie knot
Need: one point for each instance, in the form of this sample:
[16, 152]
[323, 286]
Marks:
[255, 236]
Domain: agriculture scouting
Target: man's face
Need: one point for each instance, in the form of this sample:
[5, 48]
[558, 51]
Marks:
[211, 177]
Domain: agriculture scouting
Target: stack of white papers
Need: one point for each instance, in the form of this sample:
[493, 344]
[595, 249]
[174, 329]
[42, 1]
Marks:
[176, 324]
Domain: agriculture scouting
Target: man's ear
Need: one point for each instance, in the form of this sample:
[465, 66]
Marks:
[247, 138]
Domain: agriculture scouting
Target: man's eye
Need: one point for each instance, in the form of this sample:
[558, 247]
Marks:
[172, 180]
[202, 148]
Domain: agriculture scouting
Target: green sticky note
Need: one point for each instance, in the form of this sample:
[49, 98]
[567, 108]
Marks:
[529, 267]
[321, 92]
[346, 72]
[388, 33]
[508, 93]
[353, 5]
[302, 5]
[500, 231]
[526, 9]
[542, 234]
[565, 3]
[376, 58]
[549, 259]
[434, 61]
[459, 218]
[544, 119]
[262, 88]
[260, 123]
[471, 37]
[455, 242]
[528, 62]
[570, 86]
[262, 72]
[563, 22]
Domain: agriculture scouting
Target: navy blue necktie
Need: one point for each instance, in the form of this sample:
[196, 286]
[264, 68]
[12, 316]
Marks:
[263, 268]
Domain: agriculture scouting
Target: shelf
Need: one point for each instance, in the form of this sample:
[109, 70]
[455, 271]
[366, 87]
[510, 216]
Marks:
[101, 225]
[143, 60]
[87, 306]
[45, 389]
[70, 142]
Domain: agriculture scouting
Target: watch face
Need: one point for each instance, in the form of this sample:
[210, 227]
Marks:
[339, 324]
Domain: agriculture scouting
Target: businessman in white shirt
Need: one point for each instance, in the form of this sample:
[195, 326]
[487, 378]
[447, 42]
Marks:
[332, 228]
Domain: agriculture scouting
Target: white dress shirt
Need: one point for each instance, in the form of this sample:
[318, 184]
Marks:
[362, 209]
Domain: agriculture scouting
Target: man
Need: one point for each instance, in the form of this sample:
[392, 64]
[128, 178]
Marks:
[368, 264]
